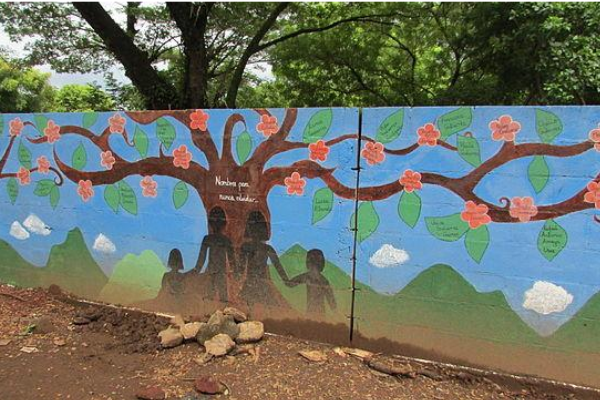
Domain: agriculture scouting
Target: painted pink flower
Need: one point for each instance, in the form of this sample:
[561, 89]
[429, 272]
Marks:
[428, 135]
[318, 151]
[522, 208]
[267, 125]
[475, 214]
[85, 189]
[198, 120]
[182, 157]
[593, 194]
[149, 186]
[107, 159]
[504, 128]
[373, 153]
[411, 181]
[16, 126]
[24, 176]
[52, 131]
[295, 184]
[595, 137]
[43, 165]
[116, 123]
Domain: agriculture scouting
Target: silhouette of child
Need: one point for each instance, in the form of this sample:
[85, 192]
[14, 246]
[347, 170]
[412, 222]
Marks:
[318, 289]
[219, 250]
[173, 281]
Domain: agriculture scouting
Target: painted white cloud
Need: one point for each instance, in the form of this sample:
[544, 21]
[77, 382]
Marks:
[547, 298]
[35, 225]
[17, 231]
[389, 256]
[102, 244]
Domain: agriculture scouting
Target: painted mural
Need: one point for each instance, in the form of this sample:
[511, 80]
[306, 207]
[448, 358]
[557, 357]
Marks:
[472, 231]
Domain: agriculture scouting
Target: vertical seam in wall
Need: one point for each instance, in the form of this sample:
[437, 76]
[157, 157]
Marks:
[355, 229]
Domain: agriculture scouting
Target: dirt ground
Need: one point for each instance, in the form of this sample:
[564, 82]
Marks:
[118, 353]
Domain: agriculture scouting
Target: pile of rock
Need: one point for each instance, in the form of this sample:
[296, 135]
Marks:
[219, 335]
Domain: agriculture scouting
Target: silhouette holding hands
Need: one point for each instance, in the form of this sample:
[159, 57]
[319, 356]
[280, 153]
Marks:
[219, 250]
[254, 256]
[318, 290]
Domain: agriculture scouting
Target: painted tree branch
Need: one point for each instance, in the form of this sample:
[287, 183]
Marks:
[58, 180]
[266, 149]
[227, 151]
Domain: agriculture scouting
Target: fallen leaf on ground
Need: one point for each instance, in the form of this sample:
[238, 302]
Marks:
[362, 354]
[313, 355]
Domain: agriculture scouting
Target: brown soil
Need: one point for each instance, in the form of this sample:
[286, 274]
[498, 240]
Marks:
[118, 353]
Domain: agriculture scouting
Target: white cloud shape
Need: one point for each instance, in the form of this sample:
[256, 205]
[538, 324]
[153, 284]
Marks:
[35, 225]
[547, 298]
[389, 256]
[17, 231]
[102, 244]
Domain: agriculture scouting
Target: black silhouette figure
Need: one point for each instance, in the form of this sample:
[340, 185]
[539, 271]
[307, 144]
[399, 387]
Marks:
[254, 256]
[318, 289]
[219, 250]
[173, 282]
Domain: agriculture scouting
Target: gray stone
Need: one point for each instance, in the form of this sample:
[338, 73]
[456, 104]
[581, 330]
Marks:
[219, 345]
[206, 332]
[222, 323]
[250, 331]
[238, 315]
[43, 326]
[170, 337]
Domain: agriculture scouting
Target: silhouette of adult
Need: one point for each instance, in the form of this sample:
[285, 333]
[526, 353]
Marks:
[219, 251]
[254, 256]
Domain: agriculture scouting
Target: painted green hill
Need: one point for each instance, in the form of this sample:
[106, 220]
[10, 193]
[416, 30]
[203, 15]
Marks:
[439, 298]
[70, 266]
[582, 331]
[134, 279]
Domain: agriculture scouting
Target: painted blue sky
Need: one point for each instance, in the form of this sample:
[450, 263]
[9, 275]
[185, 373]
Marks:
[512, 262]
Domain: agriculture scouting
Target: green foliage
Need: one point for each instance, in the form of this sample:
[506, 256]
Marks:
[74, 97]
[23, 89]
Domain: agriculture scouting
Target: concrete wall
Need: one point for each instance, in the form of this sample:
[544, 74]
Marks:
[473, 236]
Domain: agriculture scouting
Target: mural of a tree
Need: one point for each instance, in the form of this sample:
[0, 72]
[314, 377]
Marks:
[250, 166]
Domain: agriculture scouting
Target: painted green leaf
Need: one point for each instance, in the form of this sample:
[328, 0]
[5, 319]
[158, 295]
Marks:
[127, 198]
[552, 239]
[89, 119]
[165, 131]
[12, 188]
[112, 197]
[469, 150]
[243, 146]
[140, 141]
[322, 204]
[409, 208]
[538, 173]
[43, 187]
[54, 196]
[391, 127]
[180, 194]
[40, 122]
[79, 158]
[449, 228]
[477, 241]
[368, 221]
[548, 125]
[318, 126]
[24, 156]
[455, 121]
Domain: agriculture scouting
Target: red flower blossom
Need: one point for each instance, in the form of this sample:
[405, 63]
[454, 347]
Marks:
[373, 153]
[504, 128]
[595, 137]
[16, 126]
[116, 123]
[593, 194]
[182, 157]
[428, 135]
[43, 165]
[52, 132]
[267, 125]
[318, 151]
[85, 189]
[24, 176]
[149, 186]
[522, 208]
[475, 214]
[295, 184]
[198, 120]
[107, 159]
[411, 181]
